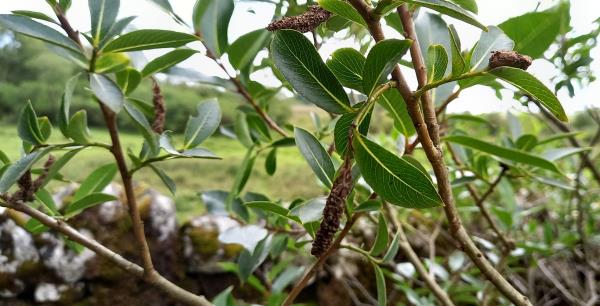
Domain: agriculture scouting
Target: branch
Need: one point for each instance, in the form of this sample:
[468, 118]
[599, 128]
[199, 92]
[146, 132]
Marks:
[404, 244]
[242, 91]
[156, 279]
[313, 269]
[428, 131]
[149, 274]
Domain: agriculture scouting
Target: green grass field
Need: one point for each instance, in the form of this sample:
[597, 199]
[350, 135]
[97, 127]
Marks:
[292, 179]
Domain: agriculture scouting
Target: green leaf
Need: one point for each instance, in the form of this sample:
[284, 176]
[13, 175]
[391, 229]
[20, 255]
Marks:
[148, 39]
[369, 205]
[214, 23]
[59, 164]
[560, 153]
[347, 65]
[96, 181]
[380, 283]
[225, 298]
[470, 5]
[309, 211]
[65, 104]
[199, 128]
[393, 102]
[506, 153]
[166, 61]
[342, 131]
[300, 63]
[111, 62]
[344, 9]
[385, 6]
[271, 162]
[47, 201]
[492, 40]
[143, 126]
[115, 29]
[243, 51]
[526, 142]
[449, 9]
[382, 59]
[45, 127]
[316, 156]
[381, 240]
[166, 6]
[558, 136]
[78, 128]
[12, 174]
[128, 80]
[458, 62]
[533, 87]
[107, 91]
[534, 32]
[392, 250]
[34, 15]
[269, 207]
[437, 62]
[394, 179]
[166, 179]
[37, 30]
[88, 201]
[243, 173]
[103, 14]
[28, 126]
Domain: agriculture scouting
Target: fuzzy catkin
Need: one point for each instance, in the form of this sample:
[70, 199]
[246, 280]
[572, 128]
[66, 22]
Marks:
[158, 125]
[334, 208]
[306, 22]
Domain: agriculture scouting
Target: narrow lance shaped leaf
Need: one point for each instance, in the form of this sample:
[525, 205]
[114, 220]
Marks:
[300, 63]
[382, 59]
[381, 288]
[87, 201]
[271, 162]
[65, 104]
[148, 39]
[107, 91]
[214, 24]
[28, 126]
[381, 240]
[437, 62]
[115, 29]
[347, 65]
[128, 80]
[344, 9]
[492, 40]
[449, 9]
[165, 178]
[144, 126]
[103, 14]
[244, 50]
[393, 102]
[16, 170]
[167, 61]
[34, 15]
[78, 128]
[533, 87]
[458, 62]
[199, 128]
[37, 30]
[502, 152]
[166, 6]
[96, 181]
[316, 156]
[396, 180]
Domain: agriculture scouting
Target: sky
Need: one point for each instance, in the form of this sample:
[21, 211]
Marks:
[252, 15]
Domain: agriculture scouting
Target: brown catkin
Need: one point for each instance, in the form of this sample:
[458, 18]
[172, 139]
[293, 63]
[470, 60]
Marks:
[39, 181]
[510, 59]
[334, 206]
[306, 22]
[158, 125]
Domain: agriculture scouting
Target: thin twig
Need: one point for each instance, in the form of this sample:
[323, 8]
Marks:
[414, 259]
[244, 92]
[308, 274]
